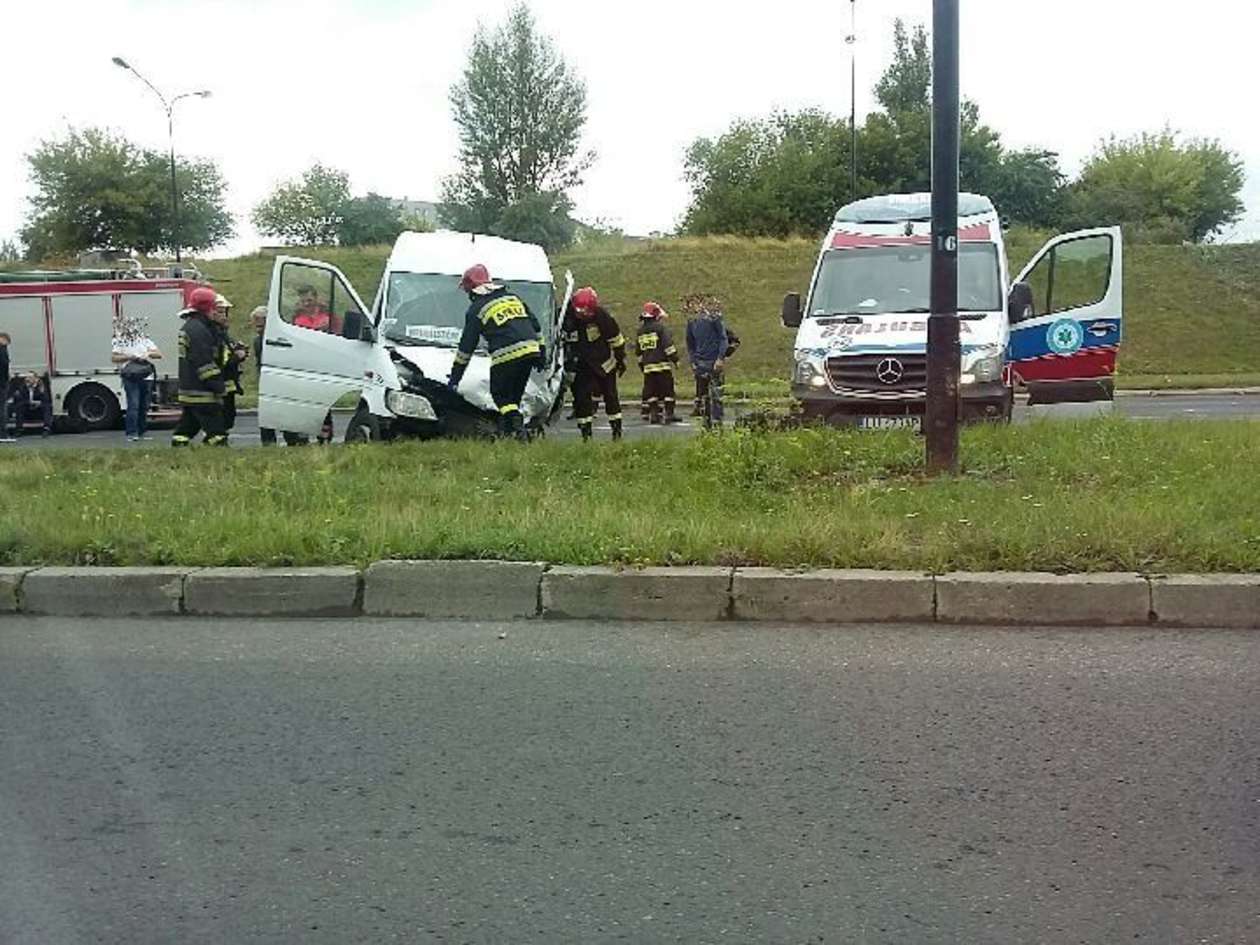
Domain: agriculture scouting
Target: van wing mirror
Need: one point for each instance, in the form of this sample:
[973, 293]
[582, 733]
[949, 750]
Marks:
[1019, 303]
[356, 327]
[791, 314]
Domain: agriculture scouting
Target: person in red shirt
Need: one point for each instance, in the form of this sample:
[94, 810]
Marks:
[311, 314]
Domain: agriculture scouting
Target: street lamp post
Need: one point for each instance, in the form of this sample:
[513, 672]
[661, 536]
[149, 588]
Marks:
[169, 107]
[941, 419]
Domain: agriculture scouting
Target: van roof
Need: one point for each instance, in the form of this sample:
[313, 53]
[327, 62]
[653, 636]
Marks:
[451, 253]
[903, 208]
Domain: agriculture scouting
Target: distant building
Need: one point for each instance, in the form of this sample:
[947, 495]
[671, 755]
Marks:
[425, 210]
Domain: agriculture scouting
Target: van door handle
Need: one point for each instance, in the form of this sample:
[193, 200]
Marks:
[278, 343]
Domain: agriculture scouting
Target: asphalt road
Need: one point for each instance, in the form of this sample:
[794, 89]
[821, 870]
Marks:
[371, 781]
[1174, 407]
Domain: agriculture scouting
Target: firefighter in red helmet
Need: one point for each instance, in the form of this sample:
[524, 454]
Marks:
[201, 381]
[657, 358]
[595, 356]
[512, 335]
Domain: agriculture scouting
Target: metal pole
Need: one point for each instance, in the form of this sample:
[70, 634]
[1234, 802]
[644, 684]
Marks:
[170, 129]
[853, 137]
[943, 353]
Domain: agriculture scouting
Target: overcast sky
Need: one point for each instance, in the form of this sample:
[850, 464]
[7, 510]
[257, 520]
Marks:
[363, 85]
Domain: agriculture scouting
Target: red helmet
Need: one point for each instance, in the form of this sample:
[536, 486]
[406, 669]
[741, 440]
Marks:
[475, 276]
[585, 300]
[201, 299]
[652, 310]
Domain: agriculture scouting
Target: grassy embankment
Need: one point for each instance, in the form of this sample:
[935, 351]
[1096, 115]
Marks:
[1098, 495]
[1192, 313]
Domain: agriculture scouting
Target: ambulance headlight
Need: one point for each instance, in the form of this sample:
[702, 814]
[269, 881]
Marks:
[413, 406]
[809, 372]
[982, 366]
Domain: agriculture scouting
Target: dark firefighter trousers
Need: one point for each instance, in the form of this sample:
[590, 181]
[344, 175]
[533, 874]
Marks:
[586, 386]
[507, 387]
[658, 390]
[199, 417]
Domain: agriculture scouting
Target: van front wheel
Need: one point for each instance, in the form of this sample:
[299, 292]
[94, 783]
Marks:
[363, 427]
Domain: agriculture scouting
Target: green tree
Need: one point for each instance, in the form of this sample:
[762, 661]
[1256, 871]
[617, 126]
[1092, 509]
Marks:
[369, 221]
[97, 189]
[520, 112]
[309, 211]
[538, 218]
[906, 85]
[1160, 189]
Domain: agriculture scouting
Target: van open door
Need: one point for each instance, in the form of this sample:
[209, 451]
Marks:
[1066, 312]
[318, 345]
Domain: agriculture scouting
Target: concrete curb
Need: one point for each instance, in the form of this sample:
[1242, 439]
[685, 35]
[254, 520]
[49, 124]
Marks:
[272, 592]
[512, 590]
[481, 590]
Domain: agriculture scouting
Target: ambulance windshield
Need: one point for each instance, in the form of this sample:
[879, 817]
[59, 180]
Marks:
[897, 280]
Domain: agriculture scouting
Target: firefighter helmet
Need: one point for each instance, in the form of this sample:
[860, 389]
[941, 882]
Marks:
[653, 310]
[475, 276]
[585, 300]
[201, 299]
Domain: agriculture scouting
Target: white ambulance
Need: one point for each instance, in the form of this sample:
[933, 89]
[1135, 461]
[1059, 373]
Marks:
[62, 328]
[861, 341]
[395, 358]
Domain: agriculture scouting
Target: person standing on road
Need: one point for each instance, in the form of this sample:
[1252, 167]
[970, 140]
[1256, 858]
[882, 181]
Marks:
[512, 336]
[709, 344]
[135, 352]
[595, 351]
[4, 388]
[657, 357]
[233, 355]
[201, 385]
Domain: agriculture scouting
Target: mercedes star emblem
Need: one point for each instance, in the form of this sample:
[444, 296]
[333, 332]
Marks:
[889, 371]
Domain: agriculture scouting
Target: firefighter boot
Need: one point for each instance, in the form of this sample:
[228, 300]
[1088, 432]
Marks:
[616, 428]
[669, 412]
[585, 427]
[654, 415]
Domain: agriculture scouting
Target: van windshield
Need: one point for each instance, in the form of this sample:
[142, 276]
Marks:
[424, 308]
[897, 279]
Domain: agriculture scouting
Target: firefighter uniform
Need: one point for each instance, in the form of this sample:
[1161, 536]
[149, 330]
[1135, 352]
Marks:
[657, 357]
[230, 368]
[201, 384]
[512, 336]
[595, 356]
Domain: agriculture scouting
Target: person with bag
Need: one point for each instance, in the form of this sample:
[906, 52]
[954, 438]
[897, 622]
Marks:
[135, 352]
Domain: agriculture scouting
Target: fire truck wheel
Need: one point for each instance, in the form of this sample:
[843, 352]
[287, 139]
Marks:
[93, 407]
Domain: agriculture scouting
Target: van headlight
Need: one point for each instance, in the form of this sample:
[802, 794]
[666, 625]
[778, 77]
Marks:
[983, 366]
[413, 406]
[809, 372]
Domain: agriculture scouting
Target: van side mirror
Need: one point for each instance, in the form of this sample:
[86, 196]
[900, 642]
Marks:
[356, 327]
[1019, 303]
[791, 313]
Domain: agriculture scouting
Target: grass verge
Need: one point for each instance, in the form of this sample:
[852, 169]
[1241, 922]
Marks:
[1097, 495]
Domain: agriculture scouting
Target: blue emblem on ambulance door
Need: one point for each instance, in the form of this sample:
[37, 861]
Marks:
[1065, 336]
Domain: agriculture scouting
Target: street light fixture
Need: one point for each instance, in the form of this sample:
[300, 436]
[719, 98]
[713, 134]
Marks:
[169, 107]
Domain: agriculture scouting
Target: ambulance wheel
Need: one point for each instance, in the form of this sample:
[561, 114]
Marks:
[363, 427]
[93, 407]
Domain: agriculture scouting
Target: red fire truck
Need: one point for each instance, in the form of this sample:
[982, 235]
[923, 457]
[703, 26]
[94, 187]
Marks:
[62, 326]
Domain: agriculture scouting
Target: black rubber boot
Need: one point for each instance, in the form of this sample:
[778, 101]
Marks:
[654, 415]
[669, 412]
[586, 430]
[616, 428]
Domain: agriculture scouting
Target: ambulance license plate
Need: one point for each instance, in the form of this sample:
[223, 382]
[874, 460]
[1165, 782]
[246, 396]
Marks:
[889, 423]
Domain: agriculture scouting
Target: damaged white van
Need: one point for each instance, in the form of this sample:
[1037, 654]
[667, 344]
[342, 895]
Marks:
[321, 343]
[861, 341]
